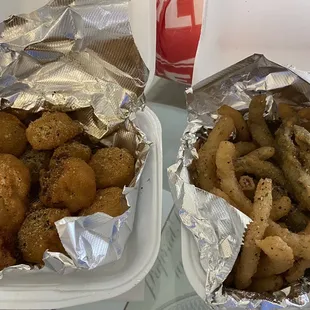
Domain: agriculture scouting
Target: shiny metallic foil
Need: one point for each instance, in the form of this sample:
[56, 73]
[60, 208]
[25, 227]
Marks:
[216, 226]
[79, 56]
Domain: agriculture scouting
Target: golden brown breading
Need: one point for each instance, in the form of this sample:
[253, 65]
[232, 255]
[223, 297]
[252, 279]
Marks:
[52, 130]
[113, 167]
[71, 149]
[6, 258]
[38, 234]
[12, 214]
[110, 201]
[12, 135]
[35, 206]
[14, 177]
[35, 161]
[71, 184]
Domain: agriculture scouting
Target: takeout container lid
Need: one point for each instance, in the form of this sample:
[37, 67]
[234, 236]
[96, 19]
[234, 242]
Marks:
[48, 291]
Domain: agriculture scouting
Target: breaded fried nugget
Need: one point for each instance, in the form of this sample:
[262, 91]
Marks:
[110, 201]
[113, 167]
[6, 258]
[52, 130]
[38, 234]
[35, 206]
[12, 135]
[71, 184]
[35, 161]
[71, 149]
[14, 177]
[12, 214]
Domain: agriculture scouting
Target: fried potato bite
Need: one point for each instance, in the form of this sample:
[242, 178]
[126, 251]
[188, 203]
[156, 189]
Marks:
[293, 171]
[229, 184]
[243, 148]
[38, 234]
[269, 284]
[257, 124]
[35, 161]
[14, 177]
[206, 167]
[71, 149]
[12, 135]
[12, 214]
[279, 257]
[297, 271]
[109, 201]
[71, 184]
[251, 164]
[52, 130]
[243, 133]
[280, 208]
[114, 167]
[217, 192]
[250, 252]
[300, 244]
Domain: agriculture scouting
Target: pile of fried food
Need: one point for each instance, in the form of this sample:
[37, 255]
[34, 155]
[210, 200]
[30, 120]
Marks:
[49, 169]
[263, 169]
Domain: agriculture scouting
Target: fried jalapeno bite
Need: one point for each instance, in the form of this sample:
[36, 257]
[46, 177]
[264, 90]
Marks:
[70, 184]
[110, 201]
[114, 167]
[12, 135]
[52, 130]
[38, 234]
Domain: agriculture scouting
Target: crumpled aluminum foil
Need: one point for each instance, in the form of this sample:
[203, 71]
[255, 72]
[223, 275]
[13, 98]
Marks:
[217, 227]
[79, 56]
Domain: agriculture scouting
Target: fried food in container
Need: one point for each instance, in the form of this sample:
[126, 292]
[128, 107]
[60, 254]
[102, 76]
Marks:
[206, 167]
[52, 130]
[70, 184]
[113, 167]
[71, 149]
[38, 233]
[35, 161]
[14, 177]
[12, 135]
[110, 201]
[229, 184]
[250, 253]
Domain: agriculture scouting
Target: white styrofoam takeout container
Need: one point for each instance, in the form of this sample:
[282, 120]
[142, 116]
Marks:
[48, 291]
[232, 31]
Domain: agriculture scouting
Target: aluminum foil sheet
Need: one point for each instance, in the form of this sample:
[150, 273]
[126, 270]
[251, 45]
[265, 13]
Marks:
[216, 226]
[79, 56]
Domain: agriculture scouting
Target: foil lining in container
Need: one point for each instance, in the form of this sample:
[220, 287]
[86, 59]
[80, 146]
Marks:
[216, 226]
[79, 56]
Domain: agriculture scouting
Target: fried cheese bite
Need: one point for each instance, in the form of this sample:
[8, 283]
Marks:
[52, 130]
[70, 184]
[110, 201]
[38, 234]
[114, 167]
[71, 149]
[35, 161]
[12, 135]
[14, 177]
